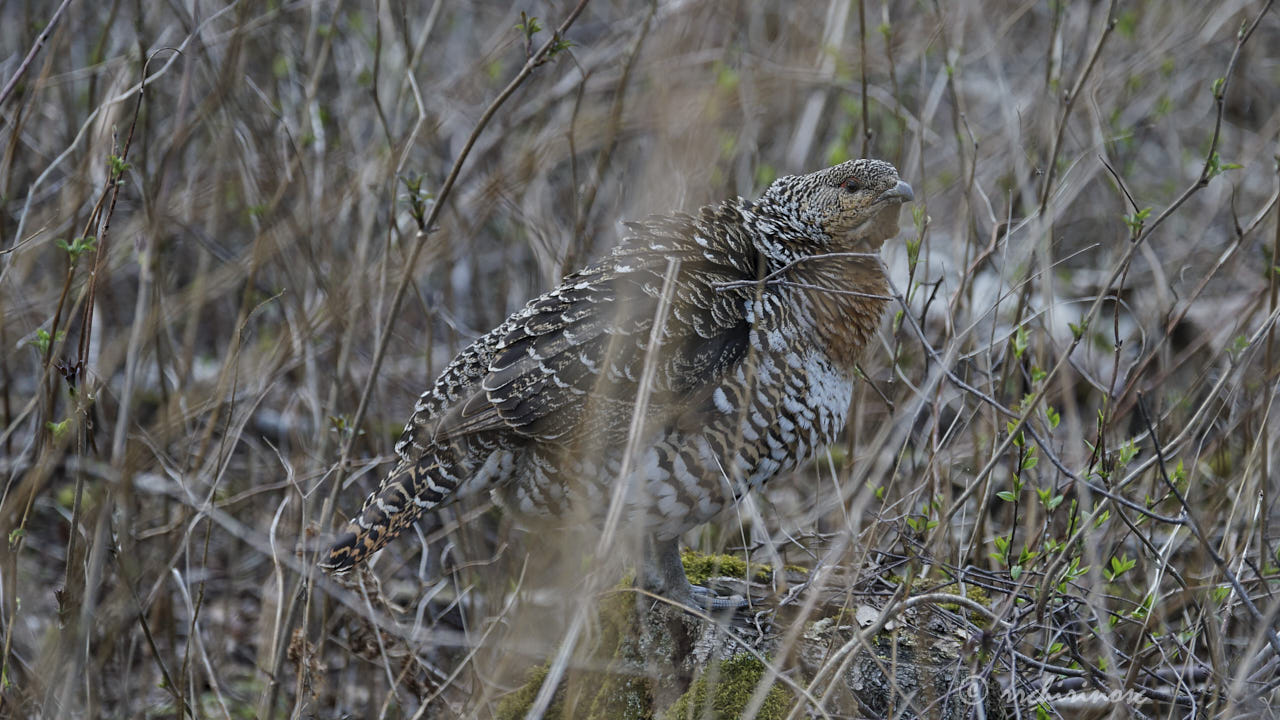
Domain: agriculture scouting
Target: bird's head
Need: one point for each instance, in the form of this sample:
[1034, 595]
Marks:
[848, 207]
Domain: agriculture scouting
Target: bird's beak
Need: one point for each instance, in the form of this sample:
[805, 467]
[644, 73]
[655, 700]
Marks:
[900, 192]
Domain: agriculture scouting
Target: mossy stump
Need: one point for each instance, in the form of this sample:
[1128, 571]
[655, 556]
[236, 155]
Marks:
[647, 659]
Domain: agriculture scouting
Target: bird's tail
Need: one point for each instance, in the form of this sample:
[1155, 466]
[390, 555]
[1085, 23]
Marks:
[410, 490]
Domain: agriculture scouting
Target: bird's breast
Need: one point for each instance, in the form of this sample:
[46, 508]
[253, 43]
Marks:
[840, 306]
[788, 400]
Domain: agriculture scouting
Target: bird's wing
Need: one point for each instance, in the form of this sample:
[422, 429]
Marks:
[572, 359]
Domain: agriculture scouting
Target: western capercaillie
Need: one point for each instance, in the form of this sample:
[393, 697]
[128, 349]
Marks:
[767, 305]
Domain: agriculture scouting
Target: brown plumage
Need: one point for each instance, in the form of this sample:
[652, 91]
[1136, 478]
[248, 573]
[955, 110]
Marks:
[768, 306]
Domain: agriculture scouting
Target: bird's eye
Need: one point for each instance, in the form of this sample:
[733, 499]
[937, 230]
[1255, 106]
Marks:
[850, 185]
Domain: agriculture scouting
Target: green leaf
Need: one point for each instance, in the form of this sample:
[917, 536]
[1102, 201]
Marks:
[528, 25]
[78, 246]
[1217, 167]
[558, 46]
[1126, 453]
[1239, 345]
[1119, 566]
[1137, 220]
[1144, 607]
[41, 342]
[118, 166]
[58, 428]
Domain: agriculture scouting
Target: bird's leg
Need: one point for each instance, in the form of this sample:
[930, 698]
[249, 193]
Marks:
[663, 574]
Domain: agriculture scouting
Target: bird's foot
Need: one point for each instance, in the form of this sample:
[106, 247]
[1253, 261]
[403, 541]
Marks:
[697, 597]
[663, 574]
[707, 599]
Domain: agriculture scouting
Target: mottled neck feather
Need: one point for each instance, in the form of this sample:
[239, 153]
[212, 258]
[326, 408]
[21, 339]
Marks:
[843, 321]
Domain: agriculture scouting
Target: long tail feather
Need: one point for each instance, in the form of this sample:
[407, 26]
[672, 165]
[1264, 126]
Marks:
[404, 495]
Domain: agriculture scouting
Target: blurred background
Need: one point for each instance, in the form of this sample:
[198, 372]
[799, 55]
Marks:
[206, 210]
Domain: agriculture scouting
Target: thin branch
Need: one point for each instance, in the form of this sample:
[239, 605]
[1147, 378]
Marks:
[31, 54]
[1196, 530]
[543, 54]
[768, 279]
[1072, 95]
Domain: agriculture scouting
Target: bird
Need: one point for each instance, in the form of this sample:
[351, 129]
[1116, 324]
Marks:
[707, 354]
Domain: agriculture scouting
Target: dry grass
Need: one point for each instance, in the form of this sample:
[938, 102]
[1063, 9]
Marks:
[205, 351]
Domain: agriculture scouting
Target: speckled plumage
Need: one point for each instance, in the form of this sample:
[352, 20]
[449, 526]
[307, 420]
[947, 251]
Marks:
[754, 367]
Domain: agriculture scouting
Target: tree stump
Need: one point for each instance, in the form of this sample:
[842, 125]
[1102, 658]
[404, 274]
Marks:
[651, 659]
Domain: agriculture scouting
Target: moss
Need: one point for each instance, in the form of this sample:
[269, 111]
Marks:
[978, 595]
[608, 694]
[620, 695]
[616, 616]
[516, 705]
[735, 683]
[700, 567]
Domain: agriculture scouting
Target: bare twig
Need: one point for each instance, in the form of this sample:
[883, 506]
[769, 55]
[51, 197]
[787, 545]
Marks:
[540, 57]
[31, 54]
[1194, 526]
